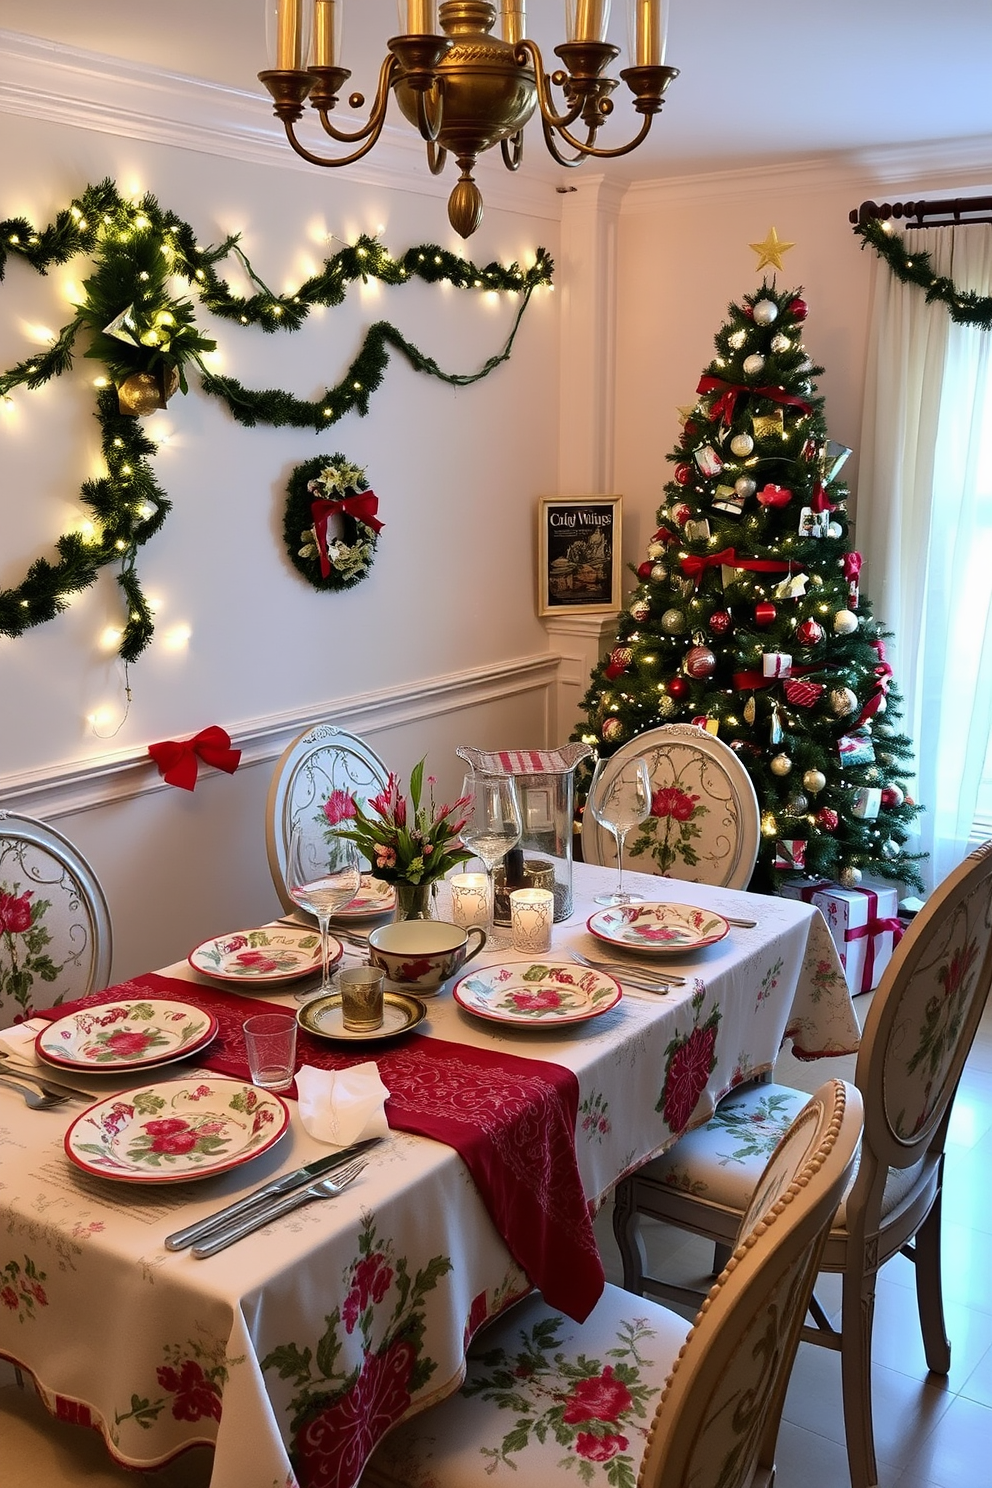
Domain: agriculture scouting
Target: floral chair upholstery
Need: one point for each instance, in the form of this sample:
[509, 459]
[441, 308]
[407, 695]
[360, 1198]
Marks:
[629, 1393]
[916, 1038]
[55, 936]
[704, 822]
[321, 767]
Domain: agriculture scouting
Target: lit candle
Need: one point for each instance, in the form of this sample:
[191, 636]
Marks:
[324, 34]
[470, 902]
[532, 913]
[288, 35]
[513, 21]
[420, 18]
[649, 33]
[591, 20]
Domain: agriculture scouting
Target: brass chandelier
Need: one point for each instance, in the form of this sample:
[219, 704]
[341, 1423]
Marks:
[467, 90]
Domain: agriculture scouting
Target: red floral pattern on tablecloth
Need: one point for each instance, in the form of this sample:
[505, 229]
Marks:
[21, 1288]
[689, 1060]
[511, 1119]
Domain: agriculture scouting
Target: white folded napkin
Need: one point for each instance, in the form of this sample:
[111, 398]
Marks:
[342, 1106]
[18, 1041]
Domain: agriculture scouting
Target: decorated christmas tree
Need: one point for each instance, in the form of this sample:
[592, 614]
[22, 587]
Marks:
[748, 618]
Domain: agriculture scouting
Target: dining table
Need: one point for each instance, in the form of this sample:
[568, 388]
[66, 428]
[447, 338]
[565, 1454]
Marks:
[294, 1351]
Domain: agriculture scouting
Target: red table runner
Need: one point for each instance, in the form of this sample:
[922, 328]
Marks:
[511, 1120]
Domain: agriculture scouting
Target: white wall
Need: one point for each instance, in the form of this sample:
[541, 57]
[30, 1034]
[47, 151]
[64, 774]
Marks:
[450, 597]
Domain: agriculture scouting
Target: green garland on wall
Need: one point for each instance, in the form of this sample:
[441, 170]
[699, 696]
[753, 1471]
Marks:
[147, 339]
[963, 305]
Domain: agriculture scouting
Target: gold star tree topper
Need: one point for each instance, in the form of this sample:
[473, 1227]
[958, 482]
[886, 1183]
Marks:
[771, 250]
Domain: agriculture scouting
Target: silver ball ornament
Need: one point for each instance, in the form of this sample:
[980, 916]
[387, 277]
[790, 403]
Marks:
[845, 622]
[780, 343]
[673, 622]
[850, 877]
[741, 445]
[754, 364]
[745, 486]
[890, 849]
[834, 529]
[640, 610]
[659, 572]
[814, 781]
[780, 764]
[666, 706]
[797, 805]
[842, 701]
[764, 311]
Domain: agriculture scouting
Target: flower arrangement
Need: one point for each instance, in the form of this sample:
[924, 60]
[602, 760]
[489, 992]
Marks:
[416, 844]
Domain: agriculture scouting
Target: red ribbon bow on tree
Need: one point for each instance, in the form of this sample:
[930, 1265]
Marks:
[729, 393]
[362, 507]
[177, 759]
[695, 566]
[883, 680]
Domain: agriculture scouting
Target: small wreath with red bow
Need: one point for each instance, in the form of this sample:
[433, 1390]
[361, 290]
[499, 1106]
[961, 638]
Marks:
[330, 526]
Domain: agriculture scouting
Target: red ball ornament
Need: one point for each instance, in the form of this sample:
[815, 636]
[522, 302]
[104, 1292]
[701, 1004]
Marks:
[892, 796]
[765, 613]
[678, 687]
[620, 659]
[699, 662]
[682, 513]
[611, 730]
[720, 622]
[798, 308]
[809, 633]
[827, 819]
[644, 569]
[683, 475]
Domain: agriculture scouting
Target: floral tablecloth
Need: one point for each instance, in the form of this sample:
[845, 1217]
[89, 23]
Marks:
[296, 1350]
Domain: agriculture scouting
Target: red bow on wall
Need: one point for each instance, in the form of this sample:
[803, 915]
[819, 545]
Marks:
[177, 759]
[362, 507]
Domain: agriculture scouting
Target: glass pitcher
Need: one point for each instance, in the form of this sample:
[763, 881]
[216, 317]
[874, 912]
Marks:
[542, 859]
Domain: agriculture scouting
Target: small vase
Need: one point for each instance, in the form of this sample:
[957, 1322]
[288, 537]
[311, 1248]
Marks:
[414, 901]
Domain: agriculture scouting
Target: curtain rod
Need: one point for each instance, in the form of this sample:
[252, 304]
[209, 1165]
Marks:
[950, 211]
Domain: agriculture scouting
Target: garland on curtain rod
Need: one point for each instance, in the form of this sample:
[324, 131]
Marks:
[146, 339]
[964, 306]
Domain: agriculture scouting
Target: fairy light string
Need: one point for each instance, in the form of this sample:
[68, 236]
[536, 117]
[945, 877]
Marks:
[134, 323]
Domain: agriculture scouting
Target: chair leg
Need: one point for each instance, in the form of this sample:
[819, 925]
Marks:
[721, 1255]
[929, 1295]
[626, 1231]
[857, 1317]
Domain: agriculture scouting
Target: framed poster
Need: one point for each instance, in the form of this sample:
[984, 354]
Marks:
[579, 555]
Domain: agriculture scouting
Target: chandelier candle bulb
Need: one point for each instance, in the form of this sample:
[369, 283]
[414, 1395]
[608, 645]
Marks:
[420, 20]
[650, 26]
[288, 36]
[591, 19]
[470, 900]
[531, 917]
[325, 31]
[514, 21]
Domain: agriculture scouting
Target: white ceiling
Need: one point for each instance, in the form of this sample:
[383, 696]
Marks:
[759, 85]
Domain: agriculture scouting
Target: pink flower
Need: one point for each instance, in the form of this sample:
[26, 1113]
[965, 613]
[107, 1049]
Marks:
[599, 1448]
[175, 1143]
[670, 801]
[15, 913]
[339, 806]
[370, 1283]
[529, 1002]
[166, 1126]
[602, 1398]
[385, 857]
[234, 943]
[123, 1042]
[37, 1292]
[196, 1396]
[687, 1076]
[9, 1298]
[258, 961]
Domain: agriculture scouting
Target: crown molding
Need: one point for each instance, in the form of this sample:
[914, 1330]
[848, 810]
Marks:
[46, 80]
[942, 164]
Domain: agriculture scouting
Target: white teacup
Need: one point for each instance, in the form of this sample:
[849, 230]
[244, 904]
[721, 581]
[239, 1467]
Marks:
[421, 954]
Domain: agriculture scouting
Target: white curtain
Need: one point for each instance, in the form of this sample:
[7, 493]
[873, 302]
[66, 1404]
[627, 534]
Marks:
[924, 531]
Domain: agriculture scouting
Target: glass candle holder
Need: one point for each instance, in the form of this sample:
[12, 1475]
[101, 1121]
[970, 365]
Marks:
[532, 913]
[470, 900]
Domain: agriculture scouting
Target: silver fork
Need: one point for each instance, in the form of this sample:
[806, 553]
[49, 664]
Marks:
[632, 969]
[326, 1188]
[38, 1100]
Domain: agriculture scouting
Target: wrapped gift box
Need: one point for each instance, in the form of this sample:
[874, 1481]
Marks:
[862, 922]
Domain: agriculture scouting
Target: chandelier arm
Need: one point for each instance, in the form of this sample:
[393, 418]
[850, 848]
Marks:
[528, 50]
[555, 153]
[430, 112]
[597, 152]
[512, 150]
[313, 159]
[376, 118]
[436, 157]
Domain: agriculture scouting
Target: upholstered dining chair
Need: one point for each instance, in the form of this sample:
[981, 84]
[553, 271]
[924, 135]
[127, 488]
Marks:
[55, 932]
[324, 763]
[916, 1038]
[704, 824]
[629, 1393]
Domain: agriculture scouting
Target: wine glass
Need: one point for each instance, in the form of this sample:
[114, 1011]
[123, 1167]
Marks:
[322, 876]
[620, 798]
[492, 824]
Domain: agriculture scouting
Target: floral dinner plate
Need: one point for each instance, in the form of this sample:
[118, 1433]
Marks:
[175, 1131]
[537, 992]
[126, 1035]
[272, 954]
[374, 897]
[661, 929]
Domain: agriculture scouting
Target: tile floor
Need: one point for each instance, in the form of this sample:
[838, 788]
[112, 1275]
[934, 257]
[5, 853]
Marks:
[930, 1433]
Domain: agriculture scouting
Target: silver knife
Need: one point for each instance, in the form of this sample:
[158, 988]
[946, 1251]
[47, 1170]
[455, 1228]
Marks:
[297, 1179]
[36, 1076]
